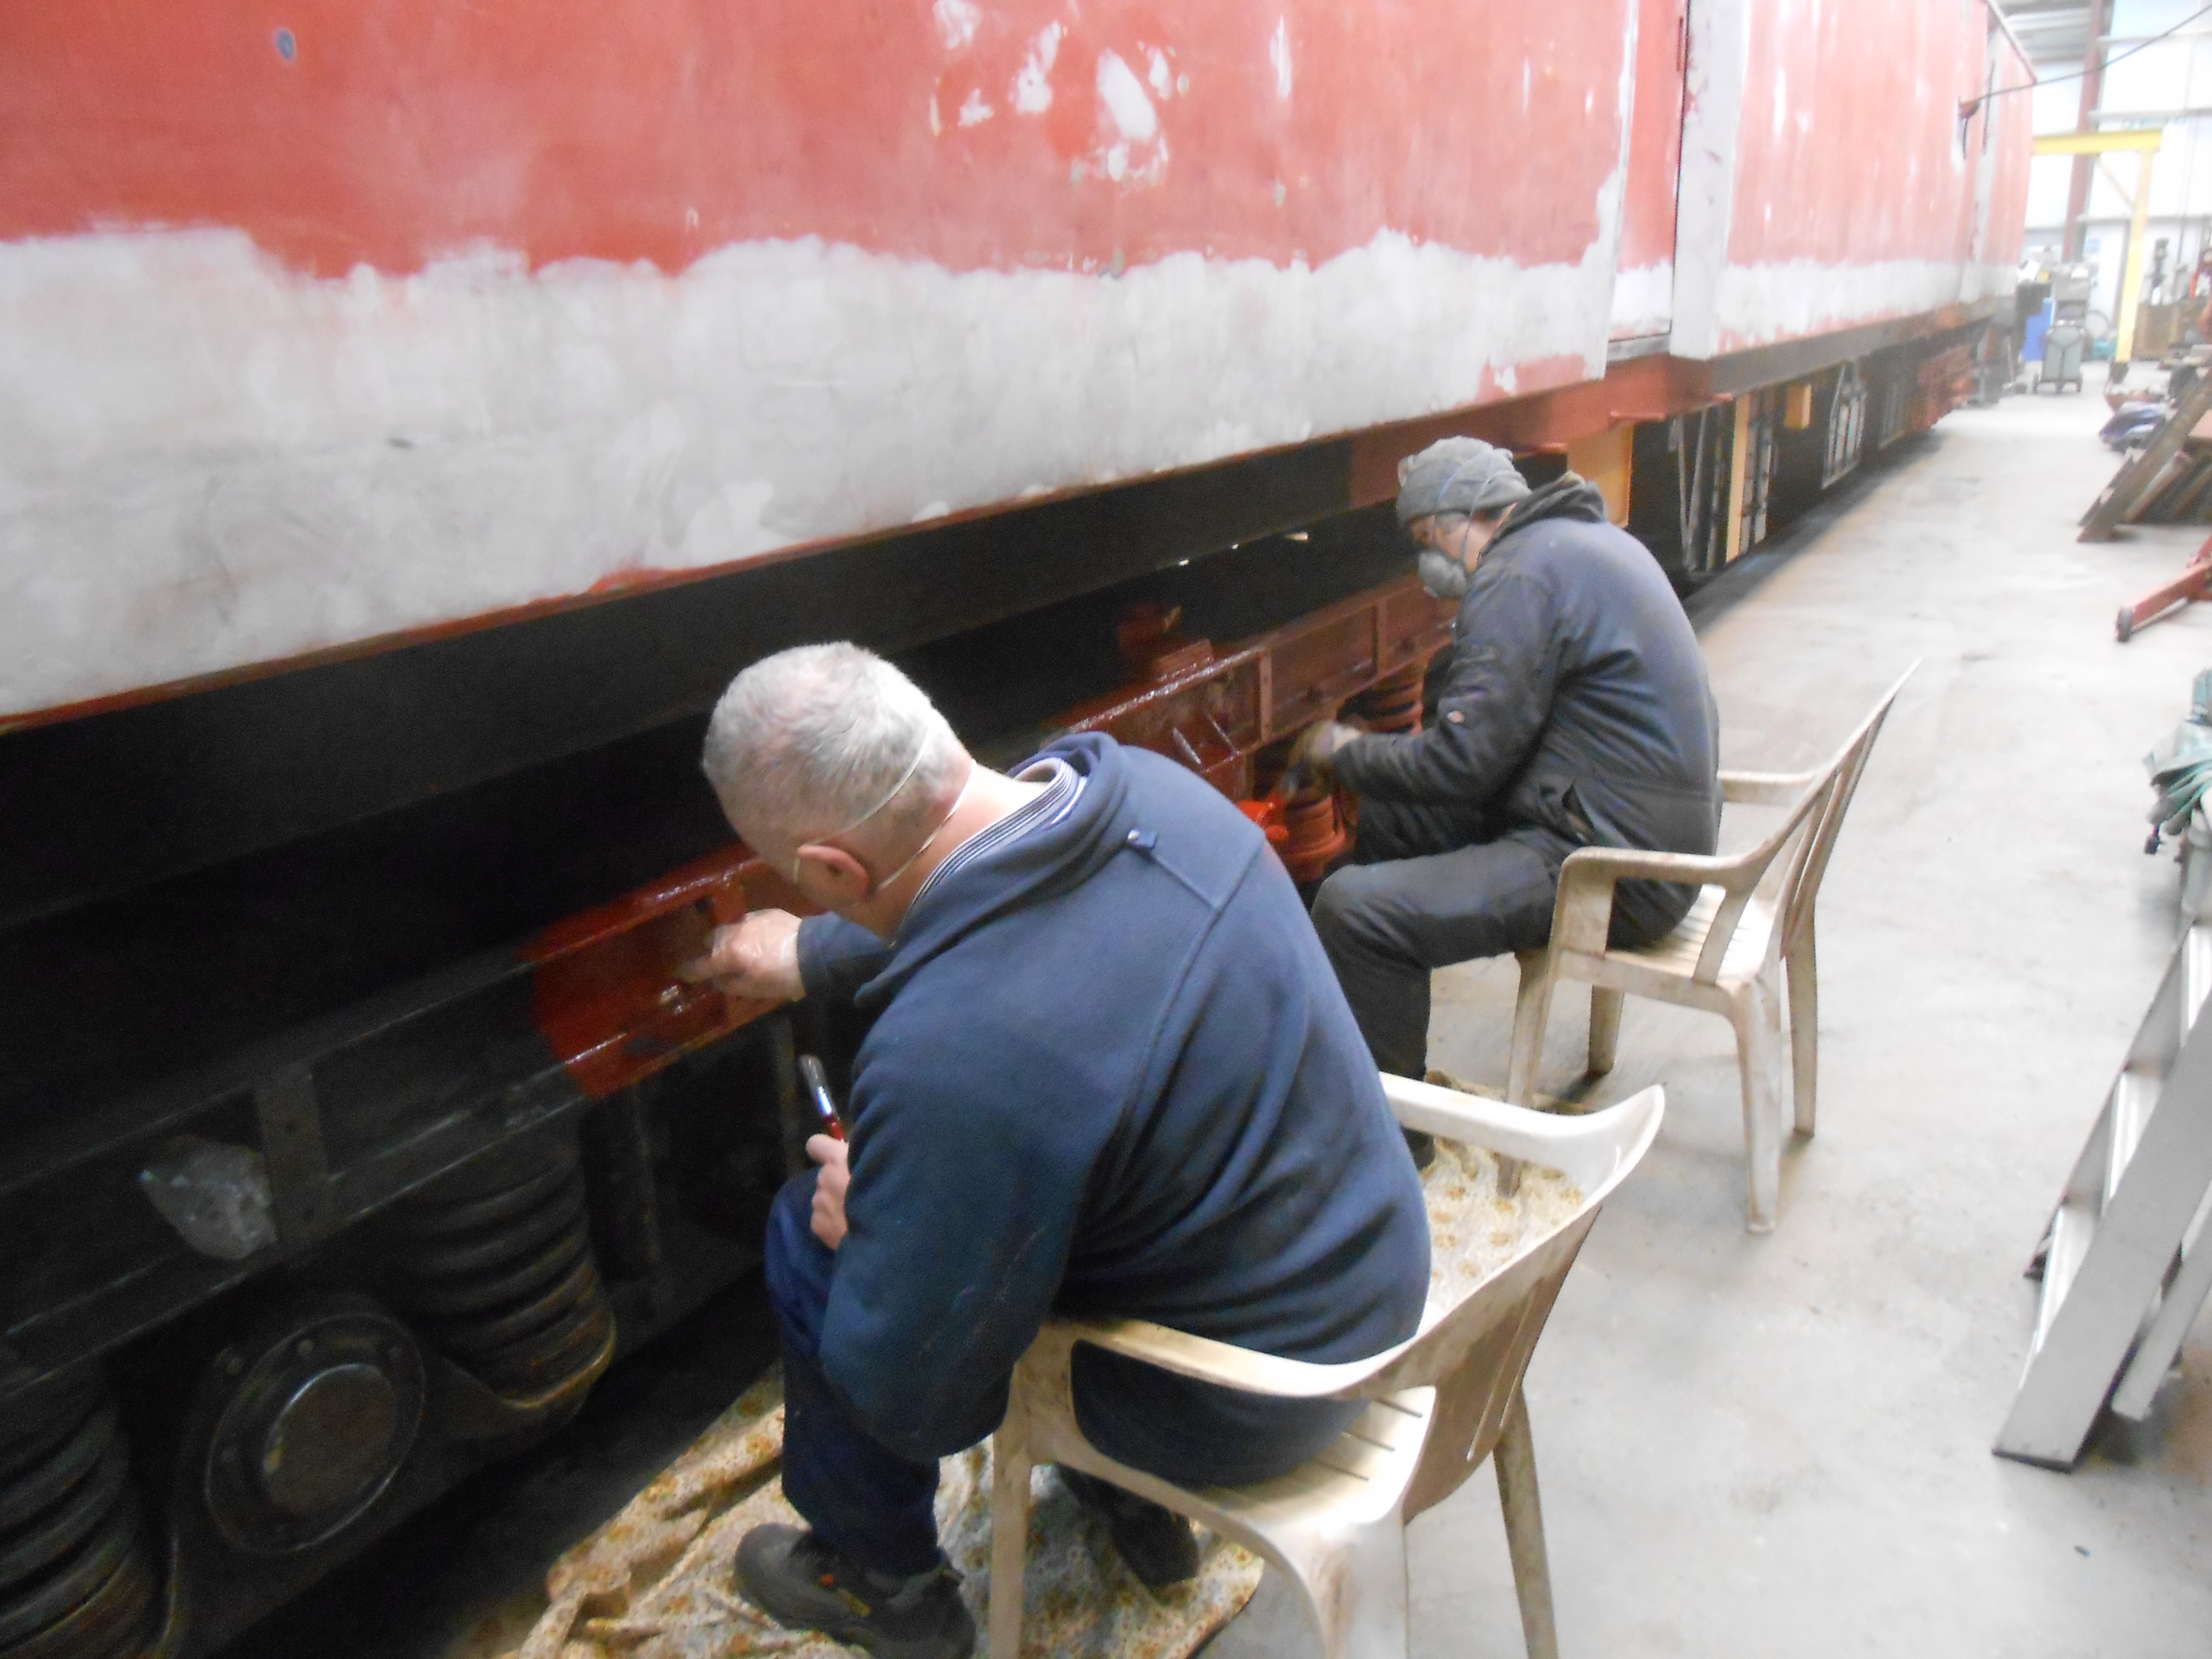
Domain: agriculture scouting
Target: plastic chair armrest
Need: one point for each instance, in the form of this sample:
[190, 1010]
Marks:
[1209, 1361]
[1486, 1122]
[1632, 864]
[1765, 788]
[1582, 915]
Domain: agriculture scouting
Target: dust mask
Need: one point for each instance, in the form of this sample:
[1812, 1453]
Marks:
[1444, 576]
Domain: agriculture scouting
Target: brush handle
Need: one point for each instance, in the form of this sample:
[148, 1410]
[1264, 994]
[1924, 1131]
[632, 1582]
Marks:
[818, 1090]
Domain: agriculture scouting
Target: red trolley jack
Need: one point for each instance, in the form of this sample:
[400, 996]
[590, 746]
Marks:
[2192, 584]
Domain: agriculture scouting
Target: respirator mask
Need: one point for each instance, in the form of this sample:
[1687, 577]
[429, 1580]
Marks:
[1442, 575]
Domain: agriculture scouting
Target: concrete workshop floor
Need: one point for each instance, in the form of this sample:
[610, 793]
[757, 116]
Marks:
[1780, 1445]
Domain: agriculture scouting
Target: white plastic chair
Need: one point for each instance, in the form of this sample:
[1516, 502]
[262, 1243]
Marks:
[1727, 956]
[1438, 1405]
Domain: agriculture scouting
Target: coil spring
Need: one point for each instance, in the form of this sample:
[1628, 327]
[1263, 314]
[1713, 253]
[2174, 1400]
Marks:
[75, 1579]
[496, 1264]
[1393, 702]
[1316, 836]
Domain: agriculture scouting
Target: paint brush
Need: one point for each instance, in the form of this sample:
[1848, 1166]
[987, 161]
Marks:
[817, 1092]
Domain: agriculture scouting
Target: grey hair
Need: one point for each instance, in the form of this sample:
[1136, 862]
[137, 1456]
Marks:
[816, 740]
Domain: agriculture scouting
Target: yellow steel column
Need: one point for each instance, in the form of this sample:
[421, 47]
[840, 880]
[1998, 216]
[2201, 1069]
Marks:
[1606, 458]
[2145, 142]
[2123, 347]
[1738, 459]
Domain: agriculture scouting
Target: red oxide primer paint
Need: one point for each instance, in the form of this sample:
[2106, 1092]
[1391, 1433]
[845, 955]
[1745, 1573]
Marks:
[605, 994]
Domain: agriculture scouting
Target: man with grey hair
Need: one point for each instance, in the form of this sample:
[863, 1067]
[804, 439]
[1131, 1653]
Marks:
[1109, 1073]
[825, 759]
[1575, 712]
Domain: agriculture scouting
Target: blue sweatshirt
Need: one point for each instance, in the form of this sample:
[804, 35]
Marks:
[1112, 1075]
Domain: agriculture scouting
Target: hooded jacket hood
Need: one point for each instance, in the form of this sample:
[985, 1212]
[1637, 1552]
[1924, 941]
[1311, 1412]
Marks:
[1049, 860]
[1569, 496]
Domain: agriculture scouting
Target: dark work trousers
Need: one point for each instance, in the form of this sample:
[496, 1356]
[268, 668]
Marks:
[876, 1507]
[879, 1508]
[1433, 885]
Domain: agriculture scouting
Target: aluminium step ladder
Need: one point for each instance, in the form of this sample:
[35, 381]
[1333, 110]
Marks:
[2127, 1264]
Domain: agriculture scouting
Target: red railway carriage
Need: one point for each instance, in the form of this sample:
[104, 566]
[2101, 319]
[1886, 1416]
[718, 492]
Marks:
[411, 418]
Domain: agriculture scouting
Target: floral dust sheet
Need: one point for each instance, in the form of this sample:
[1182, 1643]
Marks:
[655, 1581]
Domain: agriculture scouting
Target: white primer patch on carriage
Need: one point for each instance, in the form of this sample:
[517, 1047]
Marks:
[208, 460]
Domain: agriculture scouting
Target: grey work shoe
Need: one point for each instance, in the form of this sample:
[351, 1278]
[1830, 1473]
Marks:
[1154, 1542]
[803, 1583]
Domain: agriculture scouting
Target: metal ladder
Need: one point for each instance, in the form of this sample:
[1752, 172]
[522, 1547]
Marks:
[2124, 1274]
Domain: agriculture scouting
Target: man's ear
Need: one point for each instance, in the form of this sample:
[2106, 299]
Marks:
[836, 875]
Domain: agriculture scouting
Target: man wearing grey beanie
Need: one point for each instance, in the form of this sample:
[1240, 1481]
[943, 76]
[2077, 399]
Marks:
[1575, 712]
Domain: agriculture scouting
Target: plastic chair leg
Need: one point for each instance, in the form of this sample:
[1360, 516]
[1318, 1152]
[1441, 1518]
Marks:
[1355, 1587]
[1010, 1537]
[1757, 1020]
[1532, 1011]
[1515, 1461]
[1605, 1028]
[1804, 1027]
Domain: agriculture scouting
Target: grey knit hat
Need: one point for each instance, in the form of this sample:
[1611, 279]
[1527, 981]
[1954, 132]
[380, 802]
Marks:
[1457, 475]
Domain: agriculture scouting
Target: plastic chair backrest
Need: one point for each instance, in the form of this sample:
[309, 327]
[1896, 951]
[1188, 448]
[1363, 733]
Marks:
[1474, 1355]
[1795, 910]
[1739, 877]
[1809, 831]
